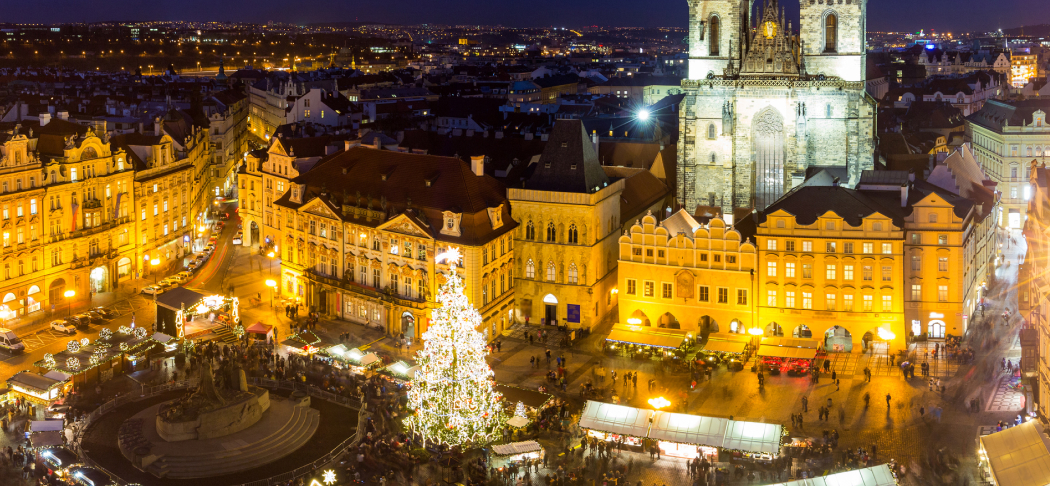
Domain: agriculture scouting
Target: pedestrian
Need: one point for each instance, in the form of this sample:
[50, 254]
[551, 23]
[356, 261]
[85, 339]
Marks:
[836, 385]
[922, 412]
[834, 375]
[829, 403]
[887, 400]
[805, 404]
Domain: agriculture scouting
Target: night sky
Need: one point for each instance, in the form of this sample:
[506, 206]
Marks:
[943, 15]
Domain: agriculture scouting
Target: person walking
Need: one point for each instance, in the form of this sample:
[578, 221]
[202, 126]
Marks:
[805, 404]
[887, 400]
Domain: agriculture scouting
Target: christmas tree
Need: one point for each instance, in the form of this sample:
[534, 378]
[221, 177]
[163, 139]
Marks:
[452, 391]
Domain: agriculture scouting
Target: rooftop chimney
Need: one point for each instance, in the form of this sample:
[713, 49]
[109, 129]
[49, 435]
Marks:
[63, 115]
[904, 195]
[477, 165]
[45, 118]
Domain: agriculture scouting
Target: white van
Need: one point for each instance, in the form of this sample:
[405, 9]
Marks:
[11, 342]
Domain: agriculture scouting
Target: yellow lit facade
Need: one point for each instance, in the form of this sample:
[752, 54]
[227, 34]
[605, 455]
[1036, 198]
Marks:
[680, 274]
[829, 273]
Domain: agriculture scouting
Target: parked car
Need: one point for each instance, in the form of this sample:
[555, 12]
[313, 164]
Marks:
[10, 341]
[105, 313]
[184, 275]
[87, 318]
[237, 239]
[77, 322]
[152, 289]
[192, 267]
[62, 325]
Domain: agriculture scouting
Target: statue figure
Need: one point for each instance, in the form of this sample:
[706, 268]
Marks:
[727, 117]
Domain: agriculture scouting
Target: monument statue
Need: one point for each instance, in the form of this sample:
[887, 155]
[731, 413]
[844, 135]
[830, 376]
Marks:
[221, 403]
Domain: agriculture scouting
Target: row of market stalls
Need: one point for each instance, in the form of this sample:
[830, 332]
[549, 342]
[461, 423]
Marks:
[682, 435]
[1017, 456]
[85, 363]
[641, 342]
[788, 355]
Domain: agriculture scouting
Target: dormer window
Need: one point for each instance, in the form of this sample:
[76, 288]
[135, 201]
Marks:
[451, 223]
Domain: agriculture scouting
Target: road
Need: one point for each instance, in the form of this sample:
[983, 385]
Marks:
[39, 339]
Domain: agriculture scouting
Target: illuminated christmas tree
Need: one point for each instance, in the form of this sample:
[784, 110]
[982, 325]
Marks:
[452, 392]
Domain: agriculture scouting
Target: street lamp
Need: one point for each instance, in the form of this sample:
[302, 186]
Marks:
[273, 287]
[270, 269]
[659, 402]
[69, 304]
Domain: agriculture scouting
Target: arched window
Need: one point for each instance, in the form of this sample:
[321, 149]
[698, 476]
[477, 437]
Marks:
[573, 275]
[573, 235]
[713, 37]
[831, 31]
[375, 243]
[550, 231]
[712, 132]
[713, 158]
[550, 271]
[54, 177]
[530, 231]
[530, 269]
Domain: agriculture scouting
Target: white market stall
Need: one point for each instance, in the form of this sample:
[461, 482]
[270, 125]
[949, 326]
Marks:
[681, 435]
[755, 440]
[606, 421]
[519, 451]
[1017, 456]
[880, 475]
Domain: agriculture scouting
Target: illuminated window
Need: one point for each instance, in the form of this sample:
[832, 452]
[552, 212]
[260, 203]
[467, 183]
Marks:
[771, 298]
[530, 272]
[771, 269]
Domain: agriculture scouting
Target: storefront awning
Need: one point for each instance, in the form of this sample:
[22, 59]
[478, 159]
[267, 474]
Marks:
[753, 437]
[617, 419]
[785, 352]
[369, 359]
[689, 429]
[630, 337]
[1018, 456]
[517, 448]
[869, 476]
[790, 342]
[724, 346]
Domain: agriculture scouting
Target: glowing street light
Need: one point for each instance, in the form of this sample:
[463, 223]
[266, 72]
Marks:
[887, 335]
[273, 288]
[69, 303]
[659, 402]
[643, 114]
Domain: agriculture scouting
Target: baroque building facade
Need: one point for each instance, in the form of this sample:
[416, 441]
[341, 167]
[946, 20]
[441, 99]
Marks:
[763, 104]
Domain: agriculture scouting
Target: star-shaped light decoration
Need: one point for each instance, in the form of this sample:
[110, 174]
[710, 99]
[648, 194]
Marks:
[329, 476]
[450, 256]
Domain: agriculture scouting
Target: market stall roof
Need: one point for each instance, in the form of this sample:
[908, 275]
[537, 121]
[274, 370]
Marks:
[870, 476]
[724, 346]
[518, 422]
[259, 328]
[402, 368]
[57, 375]
[517, 448]
[531, 398]
[162, 338]
[45, 425]
[35, 381]
[617, 419]
[790, 342]
[179, 298]
[658, 340]
[689, 429]
[1019, 456]
[753, 437]
[784, 352]
[45, 439]
[369, 359]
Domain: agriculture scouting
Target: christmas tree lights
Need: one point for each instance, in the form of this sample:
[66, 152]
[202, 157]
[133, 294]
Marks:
[453, 391]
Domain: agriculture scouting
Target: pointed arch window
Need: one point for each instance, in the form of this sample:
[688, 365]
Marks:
[530, 269]
[573, 274]
[574, 236]
[712, 132]
[713, 39]
[550, 271]
[831, 30]
[550, 231]
[530, 231]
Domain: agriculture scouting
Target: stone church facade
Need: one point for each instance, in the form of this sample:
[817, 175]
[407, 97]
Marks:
[763, 104]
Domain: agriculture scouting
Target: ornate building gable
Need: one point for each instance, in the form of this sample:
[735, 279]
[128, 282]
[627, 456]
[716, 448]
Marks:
[404, 225]
[320, 207]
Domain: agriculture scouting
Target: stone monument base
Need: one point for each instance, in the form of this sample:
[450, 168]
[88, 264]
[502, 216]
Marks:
[231, 417]
[285, 427]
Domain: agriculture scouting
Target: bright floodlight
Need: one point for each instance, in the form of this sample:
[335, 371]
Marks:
[643, 114]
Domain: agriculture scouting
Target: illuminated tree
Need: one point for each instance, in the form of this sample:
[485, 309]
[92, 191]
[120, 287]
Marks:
[453, 393]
